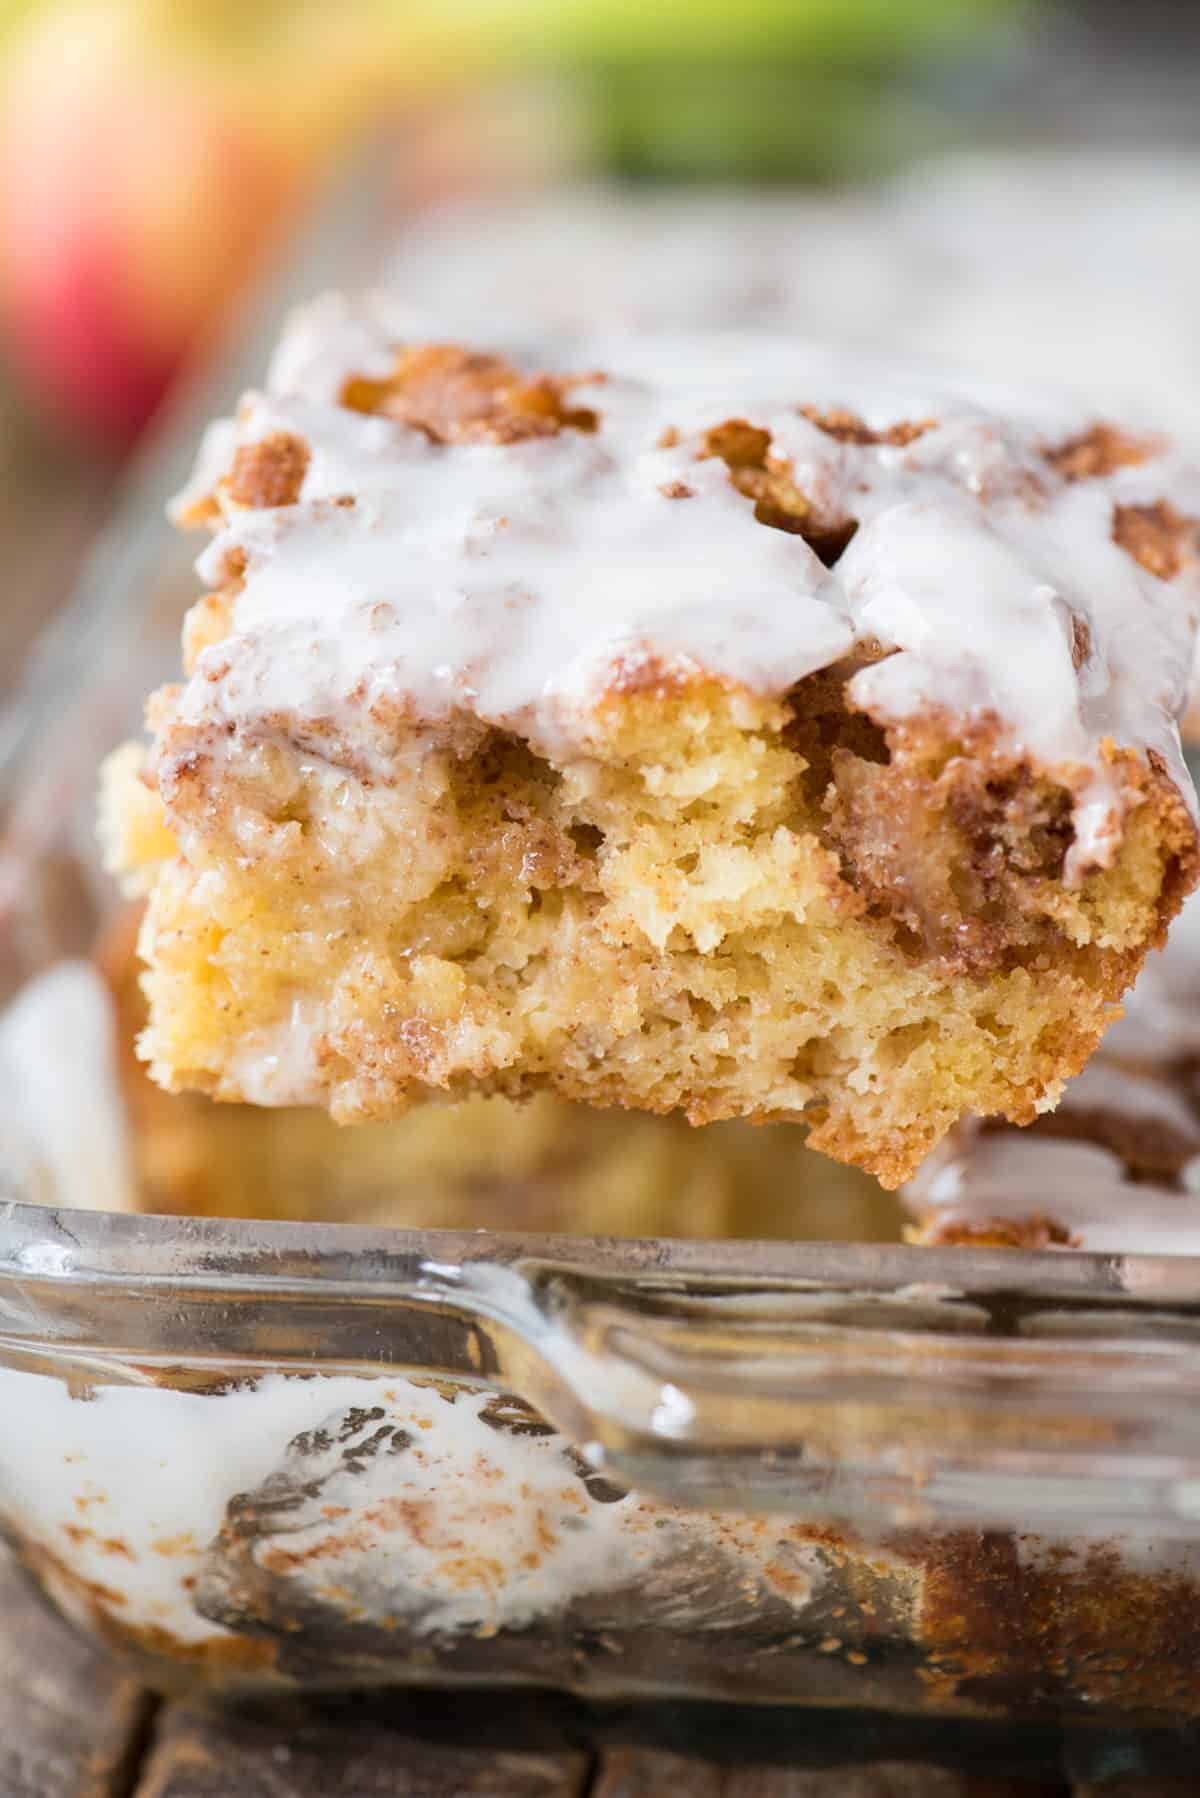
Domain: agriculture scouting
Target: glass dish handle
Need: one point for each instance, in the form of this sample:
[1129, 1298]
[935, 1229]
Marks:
[761, 1397]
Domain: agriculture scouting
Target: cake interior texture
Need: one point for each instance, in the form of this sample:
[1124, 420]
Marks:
[726, 899]
[537, 1165]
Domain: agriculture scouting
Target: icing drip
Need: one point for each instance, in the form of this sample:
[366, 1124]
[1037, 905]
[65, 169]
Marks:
[1013, 1176]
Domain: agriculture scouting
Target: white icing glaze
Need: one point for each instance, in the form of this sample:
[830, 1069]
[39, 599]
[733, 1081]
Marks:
[459, 1527]
[509, 581]
[64, 1124]
[950, 260]
[1011, 1175]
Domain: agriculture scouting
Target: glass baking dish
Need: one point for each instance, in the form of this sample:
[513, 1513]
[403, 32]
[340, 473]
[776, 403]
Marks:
[252, 1454]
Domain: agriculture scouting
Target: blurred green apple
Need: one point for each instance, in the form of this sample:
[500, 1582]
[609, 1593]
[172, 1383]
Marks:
[152, 151]
[543, 30]
[802, 89]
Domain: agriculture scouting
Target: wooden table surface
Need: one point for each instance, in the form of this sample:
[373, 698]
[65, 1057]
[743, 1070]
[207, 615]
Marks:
[73, 1725]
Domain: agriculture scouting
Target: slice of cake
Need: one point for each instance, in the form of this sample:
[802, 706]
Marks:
[710, 724]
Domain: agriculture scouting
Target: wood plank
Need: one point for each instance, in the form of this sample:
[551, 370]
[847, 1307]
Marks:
[71, 1724]
[355, 1757]
[647, 1773]
[1180, 1785]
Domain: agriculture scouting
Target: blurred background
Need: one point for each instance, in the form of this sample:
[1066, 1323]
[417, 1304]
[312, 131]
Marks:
[1009, 184]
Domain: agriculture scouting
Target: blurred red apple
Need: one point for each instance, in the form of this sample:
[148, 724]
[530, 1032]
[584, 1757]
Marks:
[151, 151]
[146, 168]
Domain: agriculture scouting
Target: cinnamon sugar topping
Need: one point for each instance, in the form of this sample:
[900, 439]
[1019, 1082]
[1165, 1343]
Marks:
[1097, 452]
[455, 395]
[1081, 643]
[848, 427]
[768, 480]
[1157, 536]
[270, 472]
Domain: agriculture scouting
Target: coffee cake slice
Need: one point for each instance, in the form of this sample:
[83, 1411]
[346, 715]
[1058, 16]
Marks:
[715, 725]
